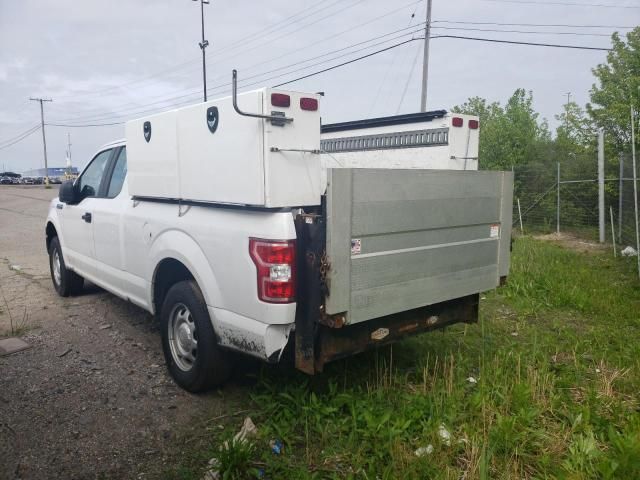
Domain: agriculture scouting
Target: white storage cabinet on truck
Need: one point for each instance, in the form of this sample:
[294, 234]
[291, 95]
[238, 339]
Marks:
[243, 230]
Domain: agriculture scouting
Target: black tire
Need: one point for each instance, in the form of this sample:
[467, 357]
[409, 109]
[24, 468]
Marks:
[69, 283]
[195, 368]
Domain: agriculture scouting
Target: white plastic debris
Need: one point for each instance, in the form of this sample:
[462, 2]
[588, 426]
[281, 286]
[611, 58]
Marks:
[248, 430]
[629, 252]
[16, 268]
[422, 451]
[472, 380]
[514, 334]
[444, 434]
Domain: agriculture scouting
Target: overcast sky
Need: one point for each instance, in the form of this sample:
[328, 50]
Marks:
[108, 61]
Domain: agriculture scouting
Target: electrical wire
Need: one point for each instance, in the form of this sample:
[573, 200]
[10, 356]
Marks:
[535, 32]
[345, 63]
[89, 115]
[494, 40]
[34, 126]
[532, 24]
[570, 4]
[93, 118]
[178, 66]
[390, 67]
[406, 85]
[333, 67]
[20, 138]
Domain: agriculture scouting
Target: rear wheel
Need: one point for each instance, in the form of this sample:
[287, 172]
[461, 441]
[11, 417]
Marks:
[65, 281]
[193, 356]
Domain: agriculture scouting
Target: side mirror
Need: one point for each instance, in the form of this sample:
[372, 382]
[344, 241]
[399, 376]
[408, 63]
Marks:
[68, 193]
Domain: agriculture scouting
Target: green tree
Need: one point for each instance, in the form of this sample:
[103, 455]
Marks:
[617, 89]
[510, 135]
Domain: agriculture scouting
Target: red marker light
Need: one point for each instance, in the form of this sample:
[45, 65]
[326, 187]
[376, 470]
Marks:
[307, 103]
[280, 100]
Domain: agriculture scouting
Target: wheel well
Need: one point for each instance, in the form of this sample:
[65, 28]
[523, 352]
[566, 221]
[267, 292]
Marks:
[168, 272]
[51, 232]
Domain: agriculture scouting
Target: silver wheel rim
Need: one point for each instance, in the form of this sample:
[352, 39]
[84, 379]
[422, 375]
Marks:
[183, 339]
[57, 268]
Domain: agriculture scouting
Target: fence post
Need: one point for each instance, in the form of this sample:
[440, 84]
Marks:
[620, 191]
[558, 203]
[635, 185]
[601, 214]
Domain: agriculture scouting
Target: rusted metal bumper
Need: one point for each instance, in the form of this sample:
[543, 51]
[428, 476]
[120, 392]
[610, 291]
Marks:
[335, 343]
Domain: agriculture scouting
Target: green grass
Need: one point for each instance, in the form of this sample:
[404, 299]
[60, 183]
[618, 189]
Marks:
[556, 357]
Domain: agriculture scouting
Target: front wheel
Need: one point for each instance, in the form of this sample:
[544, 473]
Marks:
[193, 356]
[65, 281]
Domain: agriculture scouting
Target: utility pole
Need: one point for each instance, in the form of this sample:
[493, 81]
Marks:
[203, 45]
[44, 140]
[566, 112]
[68, 153]
[601, 214]
[425, 59]
[635, 184]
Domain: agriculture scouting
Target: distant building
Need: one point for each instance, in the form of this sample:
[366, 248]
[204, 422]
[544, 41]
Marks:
[53, 172]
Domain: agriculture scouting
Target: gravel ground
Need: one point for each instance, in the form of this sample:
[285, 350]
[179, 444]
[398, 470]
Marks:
[91, 398]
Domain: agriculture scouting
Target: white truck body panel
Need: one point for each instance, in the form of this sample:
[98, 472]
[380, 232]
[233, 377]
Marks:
[454, 148]
[244, 161]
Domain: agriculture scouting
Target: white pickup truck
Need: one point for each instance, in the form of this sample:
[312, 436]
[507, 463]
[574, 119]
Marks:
[248, 232]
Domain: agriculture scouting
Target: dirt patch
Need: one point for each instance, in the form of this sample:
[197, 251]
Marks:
[572, 242]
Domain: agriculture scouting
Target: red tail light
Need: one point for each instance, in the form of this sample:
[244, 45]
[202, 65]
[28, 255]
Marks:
[275, 262]
[457, 121]
[280, 100]
[474, 124]
[307, 103]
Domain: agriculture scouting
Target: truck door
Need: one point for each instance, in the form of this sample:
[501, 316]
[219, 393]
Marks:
[77, 220]
[107, 225]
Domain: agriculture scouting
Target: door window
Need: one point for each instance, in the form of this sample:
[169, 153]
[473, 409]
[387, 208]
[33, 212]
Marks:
[118, 175]
[88, 183]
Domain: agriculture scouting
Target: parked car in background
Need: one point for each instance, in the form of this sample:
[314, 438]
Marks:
[28, 180]
[5, 181]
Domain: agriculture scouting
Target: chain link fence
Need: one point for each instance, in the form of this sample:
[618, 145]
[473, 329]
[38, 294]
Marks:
[563, 198]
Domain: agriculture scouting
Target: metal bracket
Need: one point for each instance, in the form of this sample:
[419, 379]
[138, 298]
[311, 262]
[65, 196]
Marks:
[182, 213]
[275, 119]
[277, 149]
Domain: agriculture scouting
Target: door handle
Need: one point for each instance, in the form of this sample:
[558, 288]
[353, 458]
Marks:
[87, 217]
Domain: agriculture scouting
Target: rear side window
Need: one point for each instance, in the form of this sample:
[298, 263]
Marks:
[118, 176]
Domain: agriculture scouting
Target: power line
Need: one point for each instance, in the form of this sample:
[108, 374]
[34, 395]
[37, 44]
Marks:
[533, 24]
[21, 138]
[536, 32]
[91, 113]
[390, 67]
[513, 42]
[570, 4]
[333, 67]
[37, 125]
[182, 64]
[346, 63]
[98, 117]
